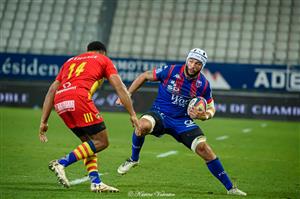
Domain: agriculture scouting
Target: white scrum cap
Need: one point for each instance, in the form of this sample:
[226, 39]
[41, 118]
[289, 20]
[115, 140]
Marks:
[198, 54]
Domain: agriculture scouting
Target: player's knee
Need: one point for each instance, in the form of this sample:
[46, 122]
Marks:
[145, 127]
[105, 144]
[201, 148]
[204, 150]
[101, 144]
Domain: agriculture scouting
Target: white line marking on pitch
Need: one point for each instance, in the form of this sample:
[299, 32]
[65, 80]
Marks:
[247, 130]
[224, 137]
[82, 180]
[163, 155]
[263, 125]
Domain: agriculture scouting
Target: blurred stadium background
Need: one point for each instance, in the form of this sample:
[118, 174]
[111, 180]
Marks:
[254, 63]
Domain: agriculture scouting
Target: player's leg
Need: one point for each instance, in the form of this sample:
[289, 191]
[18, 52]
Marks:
[100, 141]
[213, 163]
[97, 134]
[137, 143]
[147, 124]
[202, 148]
[150, 123]
[94, 139]
[97, 141]
[86, 122]
[91, 163]
[84, 150]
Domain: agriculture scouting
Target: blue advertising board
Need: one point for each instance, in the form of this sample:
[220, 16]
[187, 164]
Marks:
[221, 76]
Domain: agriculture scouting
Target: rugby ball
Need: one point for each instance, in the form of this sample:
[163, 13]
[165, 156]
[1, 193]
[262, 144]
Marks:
[198, 103]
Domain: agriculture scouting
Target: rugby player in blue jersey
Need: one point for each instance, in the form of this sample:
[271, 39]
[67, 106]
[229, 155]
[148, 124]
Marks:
[168, 115]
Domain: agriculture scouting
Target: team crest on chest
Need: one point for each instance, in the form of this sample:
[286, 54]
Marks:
[198, 83]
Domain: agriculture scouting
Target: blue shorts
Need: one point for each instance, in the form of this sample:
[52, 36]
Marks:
[184, 129]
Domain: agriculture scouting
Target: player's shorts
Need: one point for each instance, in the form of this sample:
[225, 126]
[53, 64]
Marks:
[89, 130]
[184, 130]
[77, 110]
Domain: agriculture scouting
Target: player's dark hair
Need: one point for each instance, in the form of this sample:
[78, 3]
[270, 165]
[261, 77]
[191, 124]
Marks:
[96, 46]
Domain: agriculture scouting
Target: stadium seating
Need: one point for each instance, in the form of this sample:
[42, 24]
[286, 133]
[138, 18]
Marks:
[255, 32]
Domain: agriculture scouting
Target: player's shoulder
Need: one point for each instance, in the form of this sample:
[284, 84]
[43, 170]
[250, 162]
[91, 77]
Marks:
[204, 78]
[178, 65]
[171, 66]
[203, 75]
[103, 58]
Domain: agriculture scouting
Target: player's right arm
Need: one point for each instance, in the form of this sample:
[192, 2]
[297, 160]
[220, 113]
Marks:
[140, 80]
[47, 106]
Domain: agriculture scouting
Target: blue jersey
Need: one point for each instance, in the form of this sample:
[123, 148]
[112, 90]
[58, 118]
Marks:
[176, 91]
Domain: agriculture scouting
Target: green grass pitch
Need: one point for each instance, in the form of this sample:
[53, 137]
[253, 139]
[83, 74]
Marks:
[262, 156]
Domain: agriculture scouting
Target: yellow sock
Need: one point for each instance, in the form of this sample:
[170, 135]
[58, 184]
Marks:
[84, 150]
[92, 168]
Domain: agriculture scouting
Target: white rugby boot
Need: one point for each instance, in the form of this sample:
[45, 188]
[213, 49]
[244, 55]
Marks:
[236, 191]
[127, 165]
[59, 171]
[101, 187]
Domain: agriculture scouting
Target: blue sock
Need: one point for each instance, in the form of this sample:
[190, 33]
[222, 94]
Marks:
[94, 177]
[217, 170]
[137, 143]
[68, 159]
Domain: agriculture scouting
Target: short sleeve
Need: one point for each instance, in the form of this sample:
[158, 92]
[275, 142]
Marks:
[208, 92]
[160, 73]
[59, 75]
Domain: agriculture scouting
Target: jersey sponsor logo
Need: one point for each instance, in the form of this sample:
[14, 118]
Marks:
[85, 57]
[66, 89]
[67, 84]
[179, 100]
[189, 123]
[65, 106]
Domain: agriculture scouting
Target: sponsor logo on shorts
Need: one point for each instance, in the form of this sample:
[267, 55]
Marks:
[189, 123]
[65, 106]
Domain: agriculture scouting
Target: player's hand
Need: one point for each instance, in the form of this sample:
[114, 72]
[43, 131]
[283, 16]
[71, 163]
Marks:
[118, 102]
[42, 133]
[196, 114]
[135, 123]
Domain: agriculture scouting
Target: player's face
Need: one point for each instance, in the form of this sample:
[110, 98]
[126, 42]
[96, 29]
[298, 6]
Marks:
[193, 67]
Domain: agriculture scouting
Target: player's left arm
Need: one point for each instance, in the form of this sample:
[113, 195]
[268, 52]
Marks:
[47, 106]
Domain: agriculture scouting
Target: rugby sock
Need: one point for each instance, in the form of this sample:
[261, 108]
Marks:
[217, 170]
[84, 150]
[137, 143]
[92, 168]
